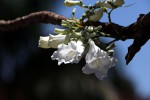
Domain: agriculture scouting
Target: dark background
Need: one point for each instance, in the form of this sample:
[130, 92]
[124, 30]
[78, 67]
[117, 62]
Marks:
[28, 73]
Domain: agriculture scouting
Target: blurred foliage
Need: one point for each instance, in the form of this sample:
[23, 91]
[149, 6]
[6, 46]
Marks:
[28, 73]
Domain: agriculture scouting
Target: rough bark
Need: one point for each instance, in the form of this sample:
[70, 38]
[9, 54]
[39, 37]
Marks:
[36, 17]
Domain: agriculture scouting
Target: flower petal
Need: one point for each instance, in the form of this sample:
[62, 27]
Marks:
[97, 61]
[97, 16]
[43, 42]
[55, 40]
[70, 53]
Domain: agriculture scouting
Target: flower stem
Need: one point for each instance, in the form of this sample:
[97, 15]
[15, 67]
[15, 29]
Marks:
[112, 41]
[109, 16]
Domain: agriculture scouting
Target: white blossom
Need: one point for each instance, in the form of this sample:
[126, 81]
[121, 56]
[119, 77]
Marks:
[55, 40]
[97, 61]
[70, 53]
[97, 15]
[70, 3]
[106, 3]
[43, 42]
[52, 41]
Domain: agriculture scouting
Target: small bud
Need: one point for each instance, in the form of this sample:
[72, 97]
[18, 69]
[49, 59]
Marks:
[90, 28]
[73, 11]
[64, 23]
[60, 31]
[98, 27]
[90, 7]
[84, 6]
[111, 46]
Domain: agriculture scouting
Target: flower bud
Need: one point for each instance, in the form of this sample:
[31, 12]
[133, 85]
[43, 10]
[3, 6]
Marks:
[43, 42]
[112, 4]
[60, 31]
[70, 3]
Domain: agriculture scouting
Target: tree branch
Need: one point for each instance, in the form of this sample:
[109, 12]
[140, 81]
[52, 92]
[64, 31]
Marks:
[53, 18]
[115, 30]
[139, 31]
[50, 17]
[141, 36]
[37, 17]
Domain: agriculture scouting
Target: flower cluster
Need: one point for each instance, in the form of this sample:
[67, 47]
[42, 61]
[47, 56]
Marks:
[77, 41]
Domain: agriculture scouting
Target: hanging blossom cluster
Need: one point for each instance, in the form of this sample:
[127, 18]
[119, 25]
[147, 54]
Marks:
[77, 41]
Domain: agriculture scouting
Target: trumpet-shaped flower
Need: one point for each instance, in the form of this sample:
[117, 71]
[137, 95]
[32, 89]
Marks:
[55, 40]
[97, 15]
[70, 53]
[97, 61]
[71, 3]
[43, 42]
[112, 4]
[52, 41]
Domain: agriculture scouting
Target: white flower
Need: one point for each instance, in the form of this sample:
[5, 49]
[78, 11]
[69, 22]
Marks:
[70, 53]
[55, 40]
[43, 42]
[70, 3]
[118, 3]
[112, 4]
[97, 15]
[52, 41]
[97, 61]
